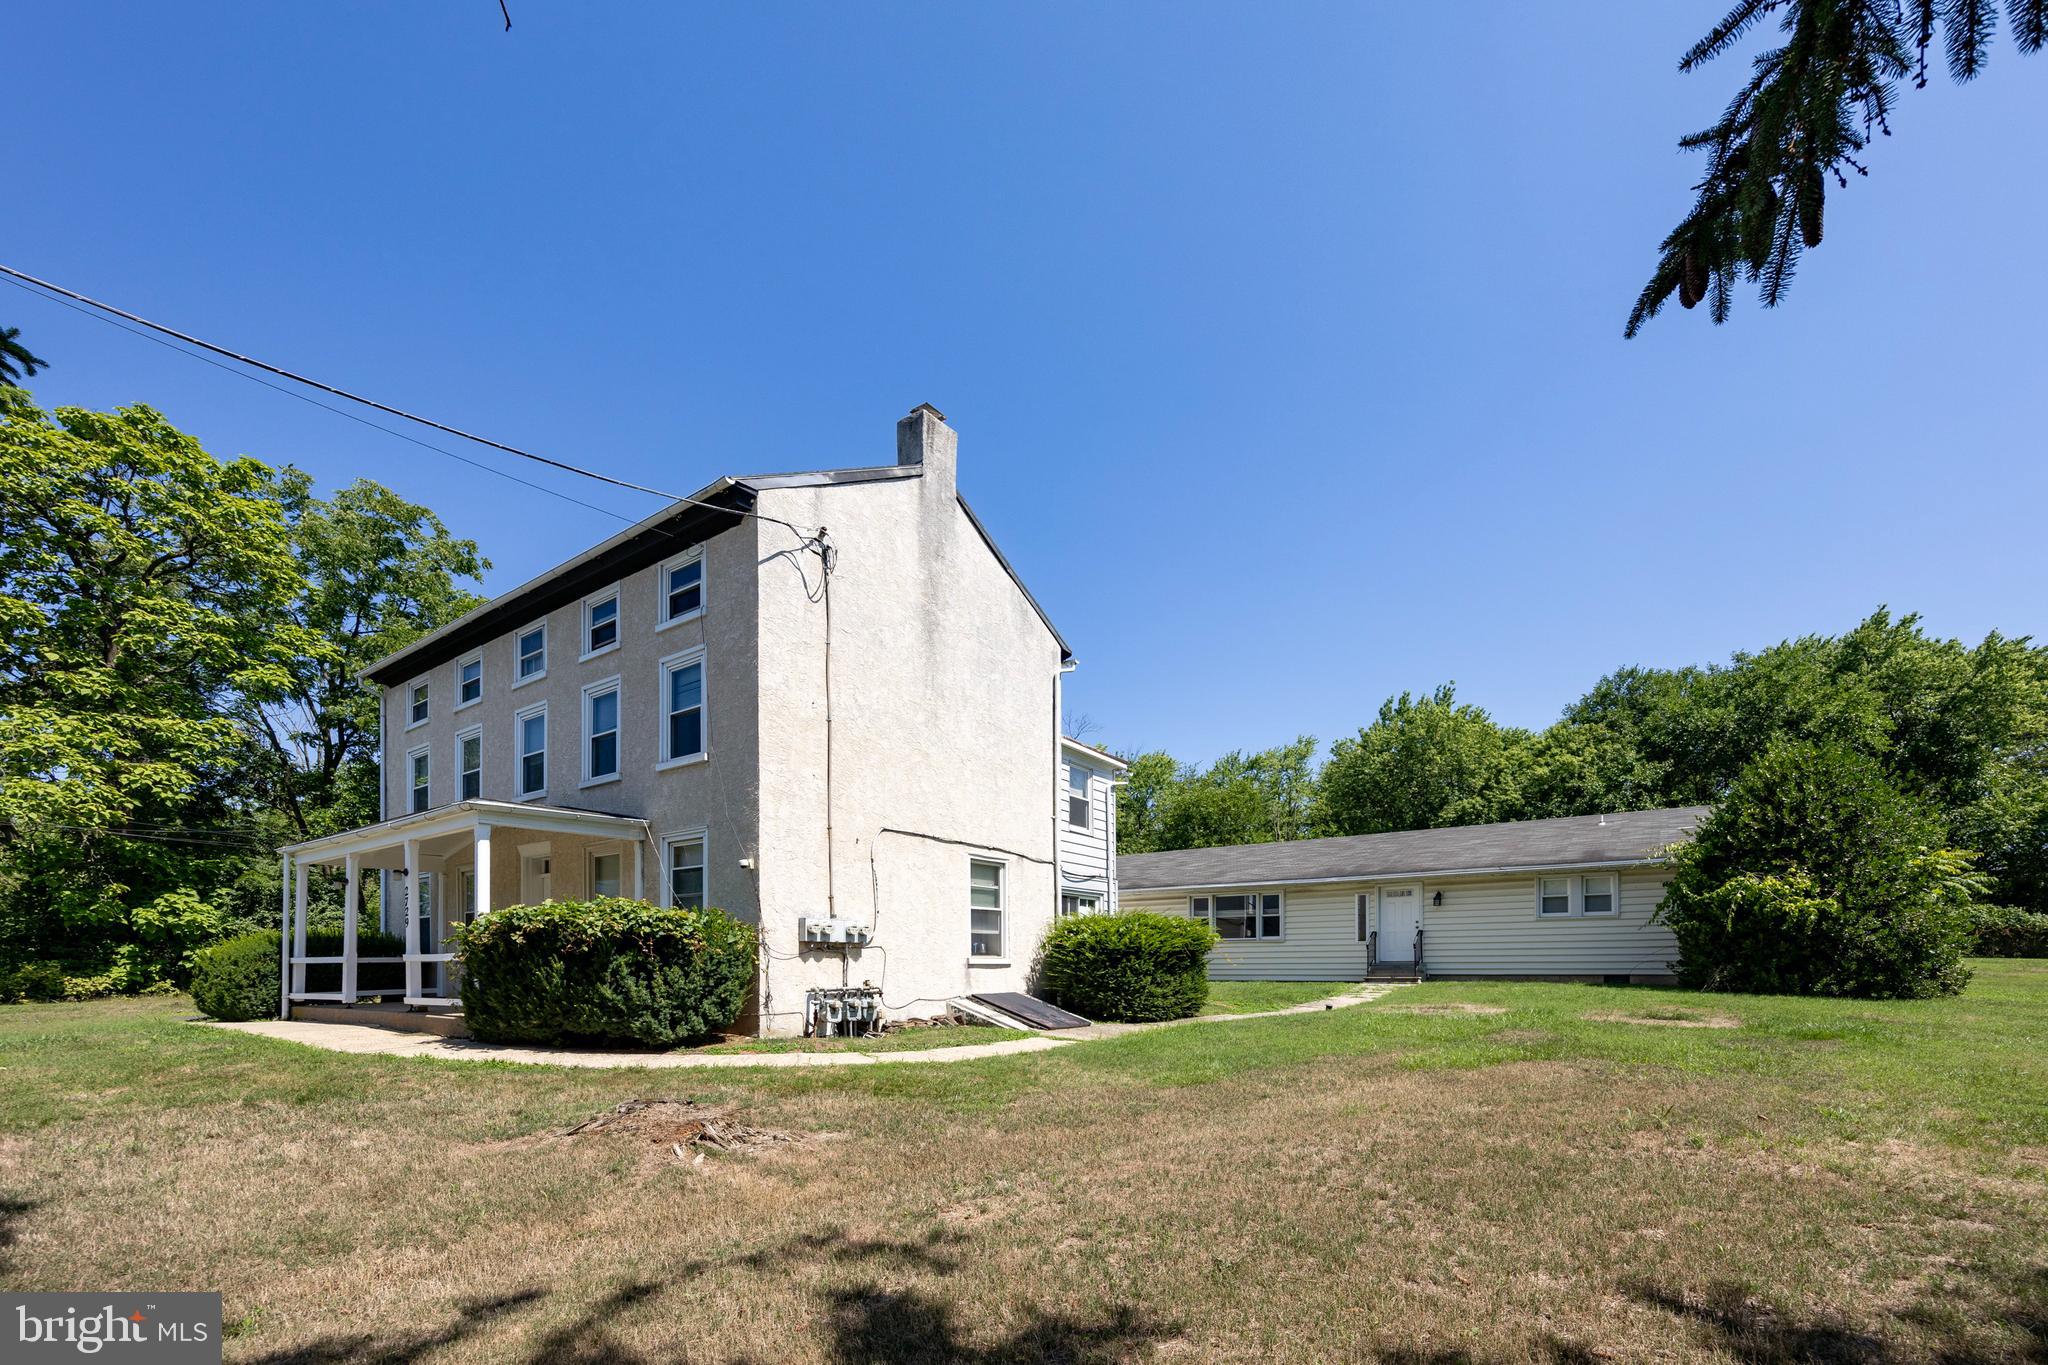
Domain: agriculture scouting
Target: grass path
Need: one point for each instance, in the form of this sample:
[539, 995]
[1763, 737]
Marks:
[1256, 997]
[1457, 1172]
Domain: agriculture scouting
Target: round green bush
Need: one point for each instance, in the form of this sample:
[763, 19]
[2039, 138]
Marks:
[1129, 967]
[1816, 876]
[237, 978]
[605, 971]
[2007, 931]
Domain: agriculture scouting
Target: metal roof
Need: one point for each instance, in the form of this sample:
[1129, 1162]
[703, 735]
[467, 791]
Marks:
[1611, 840]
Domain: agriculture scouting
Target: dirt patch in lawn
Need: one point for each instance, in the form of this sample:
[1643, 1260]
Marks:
[677, 1126]
[1521, 1037]
[1673, 1018]
[1447, 1007]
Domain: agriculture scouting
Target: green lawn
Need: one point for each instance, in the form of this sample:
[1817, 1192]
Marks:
[1252, 997]
[1456, 1172]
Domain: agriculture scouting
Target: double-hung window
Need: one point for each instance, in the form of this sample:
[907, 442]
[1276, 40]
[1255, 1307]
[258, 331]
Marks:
[600, 623]
[530, 750]
[601, 731]
[533, 654]
[682, 707]
[1076, 905]
[985, 909]
[416, 705]
[1595, 893]
[469, 764]
[1077, 795]
[1240, 914]
[419, 764]
[469, 682]
[682, 587]
[684, 857]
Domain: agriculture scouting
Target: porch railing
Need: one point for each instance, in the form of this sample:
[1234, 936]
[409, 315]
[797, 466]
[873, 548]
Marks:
[1418, 955]
[1372, 951]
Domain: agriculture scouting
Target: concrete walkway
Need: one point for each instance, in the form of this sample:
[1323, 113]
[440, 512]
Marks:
[369, 1040]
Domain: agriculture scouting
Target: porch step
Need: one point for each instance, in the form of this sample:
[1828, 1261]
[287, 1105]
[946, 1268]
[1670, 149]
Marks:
[384, 1016]
[1402, 971]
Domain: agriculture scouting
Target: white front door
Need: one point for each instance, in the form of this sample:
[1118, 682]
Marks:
[1400, 917]
[536, 879]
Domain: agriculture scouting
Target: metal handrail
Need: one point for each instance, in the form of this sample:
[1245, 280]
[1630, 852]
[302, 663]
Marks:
[1418, 954]
[1372, 950]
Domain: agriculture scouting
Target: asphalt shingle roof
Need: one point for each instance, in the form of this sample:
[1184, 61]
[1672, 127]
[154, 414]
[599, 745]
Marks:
[1578, 840]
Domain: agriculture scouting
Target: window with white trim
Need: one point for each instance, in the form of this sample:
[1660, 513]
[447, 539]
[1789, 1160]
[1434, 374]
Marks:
[1241, 914]
[419, 763]
[530, 750]
[1076, 905]
[1553, 896]
[469, 681]
[416, 705]
[605, 873]
[681, 583]
[683, 858]
[469, 764]
[984, 909]
[600, 623]
[1594, 893]
[1365, 924]
[533, 653]
[1077, 795]
[682, 707]
[601, 731]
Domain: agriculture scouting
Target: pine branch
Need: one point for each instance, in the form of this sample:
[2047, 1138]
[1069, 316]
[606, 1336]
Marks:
[1967, 26]
[2029, 20]
[1727, 33]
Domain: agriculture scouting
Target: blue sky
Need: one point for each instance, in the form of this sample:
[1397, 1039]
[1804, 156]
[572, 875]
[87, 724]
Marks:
[1283, 341]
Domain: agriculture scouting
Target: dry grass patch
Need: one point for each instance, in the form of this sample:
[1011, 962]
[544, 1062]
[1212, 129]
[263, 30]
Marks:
[1665, 1018]
[1446, 1007]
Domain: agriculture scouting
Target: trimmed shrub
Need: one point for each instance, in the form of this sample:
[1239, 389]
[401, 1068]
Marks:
[32, 981]
[237, 977]
[606, 971]
[1129, 967]
[1815, 876]
[2008, 931]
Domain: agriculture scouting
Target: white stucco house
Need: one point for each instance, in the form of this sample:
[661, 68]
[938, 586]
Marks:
[1568, 899]
[824, 702]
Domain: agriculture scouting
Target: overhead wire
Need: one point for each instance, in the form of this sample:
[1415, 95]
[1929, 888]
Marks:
[59, 294]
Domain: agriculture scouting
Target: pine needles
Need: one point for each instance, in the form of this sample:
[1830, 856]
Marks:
[1808, 111]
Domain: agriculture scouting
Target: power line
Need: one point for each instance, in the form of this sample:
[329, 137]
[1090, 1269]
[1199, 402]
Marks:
[281, 372]
[329, 407]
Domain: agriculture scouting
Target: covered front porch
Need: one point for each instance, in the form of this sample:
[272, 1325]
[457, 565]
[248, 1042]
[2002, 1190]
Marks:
[442, 868]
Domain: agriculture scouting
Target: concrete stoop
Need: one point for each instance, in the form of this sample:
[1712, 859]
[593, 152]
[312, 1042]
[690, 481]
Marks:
[399, 1017]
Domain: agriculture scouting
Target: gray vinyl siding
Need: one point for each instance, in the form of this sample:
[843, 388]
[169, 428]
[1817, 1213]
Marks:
[1486, 926]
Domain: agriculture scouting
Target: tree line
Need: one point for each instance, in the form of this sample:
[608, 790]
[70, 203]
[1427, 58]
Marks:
[1960, 730]
[179, 688]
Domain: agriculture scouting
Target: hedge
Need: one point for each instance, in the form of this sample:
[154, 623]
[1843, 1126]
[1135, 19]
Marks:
[1130, 967]
[605, 971]
[2007, 931]
[237, 977]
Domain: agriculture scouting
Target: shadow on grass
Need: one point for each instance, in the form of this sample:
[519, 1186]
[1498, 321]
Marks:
[1756, 1331]
[11, 1212]
[365, 1348]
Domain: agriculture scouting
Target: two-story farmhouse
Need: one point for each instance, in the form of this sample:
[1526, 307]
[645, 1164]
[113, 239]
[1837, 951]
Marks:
[824, 702]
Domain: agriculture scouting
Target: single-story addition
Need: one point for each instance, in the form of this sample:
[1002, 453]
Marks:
[1568, 899]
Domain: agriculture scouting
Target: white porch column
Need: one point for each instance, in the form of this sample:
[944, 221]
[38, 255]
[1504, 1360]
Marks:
[354, 866]
[412, 919]
[639, 868]
[284, 936]
[301, 872]
[483, 869]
